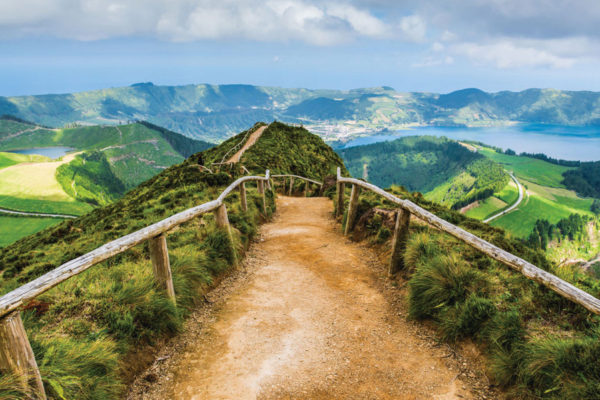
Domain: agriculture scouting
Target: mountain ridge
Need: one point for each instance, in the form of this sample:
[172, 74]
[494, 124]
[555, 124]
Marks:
[215, 112]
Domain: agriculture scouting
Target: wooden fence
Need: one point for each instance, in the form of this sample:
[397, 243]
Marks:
[408, 208]
[16, 355]
[307, 183]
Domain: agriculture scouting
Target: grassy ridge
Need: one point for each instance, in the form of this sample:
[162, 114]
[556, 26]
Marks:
[89, 179]
[530, 169]
[446, 171]
[537, 344]
[83, 330]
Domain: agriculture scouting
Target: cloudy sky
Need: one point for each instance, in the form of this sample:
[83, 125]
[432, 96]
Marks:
[54, 46]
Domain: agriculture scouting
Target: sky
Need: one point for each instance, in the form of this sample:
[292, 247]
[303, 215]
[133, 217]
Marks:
[61, 46]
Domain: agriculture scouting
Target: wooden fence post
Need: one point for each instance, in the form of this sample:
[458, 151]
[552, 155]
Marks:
[306, 183]
[243, 202]
[161, 265]
[352, 209]
[261, 191]
[340, 199]
[291, 185]
[16, 356]
[399, 241]
[223, 223]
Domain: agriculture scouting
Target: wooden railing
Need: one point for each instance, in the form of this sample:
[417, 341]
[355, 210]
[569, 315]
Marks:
[16, 355]
[408, 208]
[307, 182]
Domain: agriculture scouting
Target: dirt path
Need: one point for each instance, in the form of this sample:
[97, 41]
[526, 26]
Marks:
[251, 140]
[309, 319]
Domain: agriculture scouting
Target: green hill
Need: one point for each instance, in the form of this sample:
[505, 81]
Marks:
[215, 112]
[447, 171]
[86, 331]
[104, 164]
[125, 155]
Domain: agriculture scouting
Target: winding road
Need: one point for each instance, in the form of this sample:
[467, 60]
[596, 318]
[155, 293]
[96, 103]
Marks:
[32, 214]
[515, 204]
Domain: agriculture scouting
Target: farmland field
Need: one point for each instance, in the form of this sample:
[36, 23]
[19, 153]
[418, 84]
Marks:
[32, 186]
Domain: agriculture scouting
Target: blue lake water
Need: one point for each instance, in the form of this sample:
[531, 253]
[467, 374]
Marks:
[52, 152]
[564, 142]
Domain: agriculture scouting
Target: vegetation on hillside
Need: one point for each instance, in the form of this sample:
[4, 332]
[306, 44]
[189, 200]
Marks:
[452, 174]
[585, 179]
[573, 228]
[537, 344]
[85, 331]
[89, 178]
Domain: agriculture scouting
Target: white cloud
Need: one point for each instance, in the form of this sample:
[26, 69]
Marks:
[413, 27]
[506, 54]
[322, 23]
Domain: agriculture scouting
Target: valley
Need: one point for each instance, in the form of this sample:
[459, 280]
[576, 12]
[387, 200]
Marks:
[460, 179]
[94, 166]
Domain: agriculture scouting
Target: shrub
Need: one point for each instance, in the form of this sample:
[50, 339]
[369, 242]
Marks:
[420, 247]
[467, 319]
[442, 281]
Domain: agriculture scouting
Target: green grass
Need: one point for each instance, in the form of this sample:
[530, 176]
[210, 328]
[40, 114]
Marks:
[15, 228]
[486, 208]
[8, 159]
[542, 203]
[44, 206]
[529, 169]
[496, 203]
[509, 194]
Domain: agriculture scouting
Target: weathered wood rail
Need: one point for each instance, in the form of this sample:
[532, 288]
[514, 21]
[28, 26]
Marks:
[16, 355]
[307, 183]
[407, 208]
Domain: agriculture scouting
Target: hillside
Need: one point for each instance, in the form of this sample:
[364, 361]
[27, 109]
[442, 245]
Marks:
[215, 112]
[533, 343]
[448, 172]
[102, 164]
[93, 333]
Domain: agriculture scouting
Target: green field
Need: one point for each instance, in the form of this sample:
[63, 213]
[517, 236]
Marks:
[542, 202]
[8, 159]
[529, 169]
[546, 198]
[15, 228]
[486, 208]
[32, 186]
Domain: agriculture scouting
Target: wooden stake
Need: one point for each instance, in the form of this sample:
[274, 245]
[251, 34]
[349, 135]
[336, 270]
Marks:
[340, 199]
[306, 188]
[261, 190]
[221, 217]
[161, 265]
[243, 202]
[399, 241]
[291, 185]
[352, 209]
[16, 356]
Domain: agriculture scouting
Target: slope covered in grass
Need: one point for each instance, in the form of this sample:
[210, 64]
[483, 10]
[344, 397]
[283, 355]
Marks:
[536, 344]
[17, 227]
[85, 331]
[448, 172]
